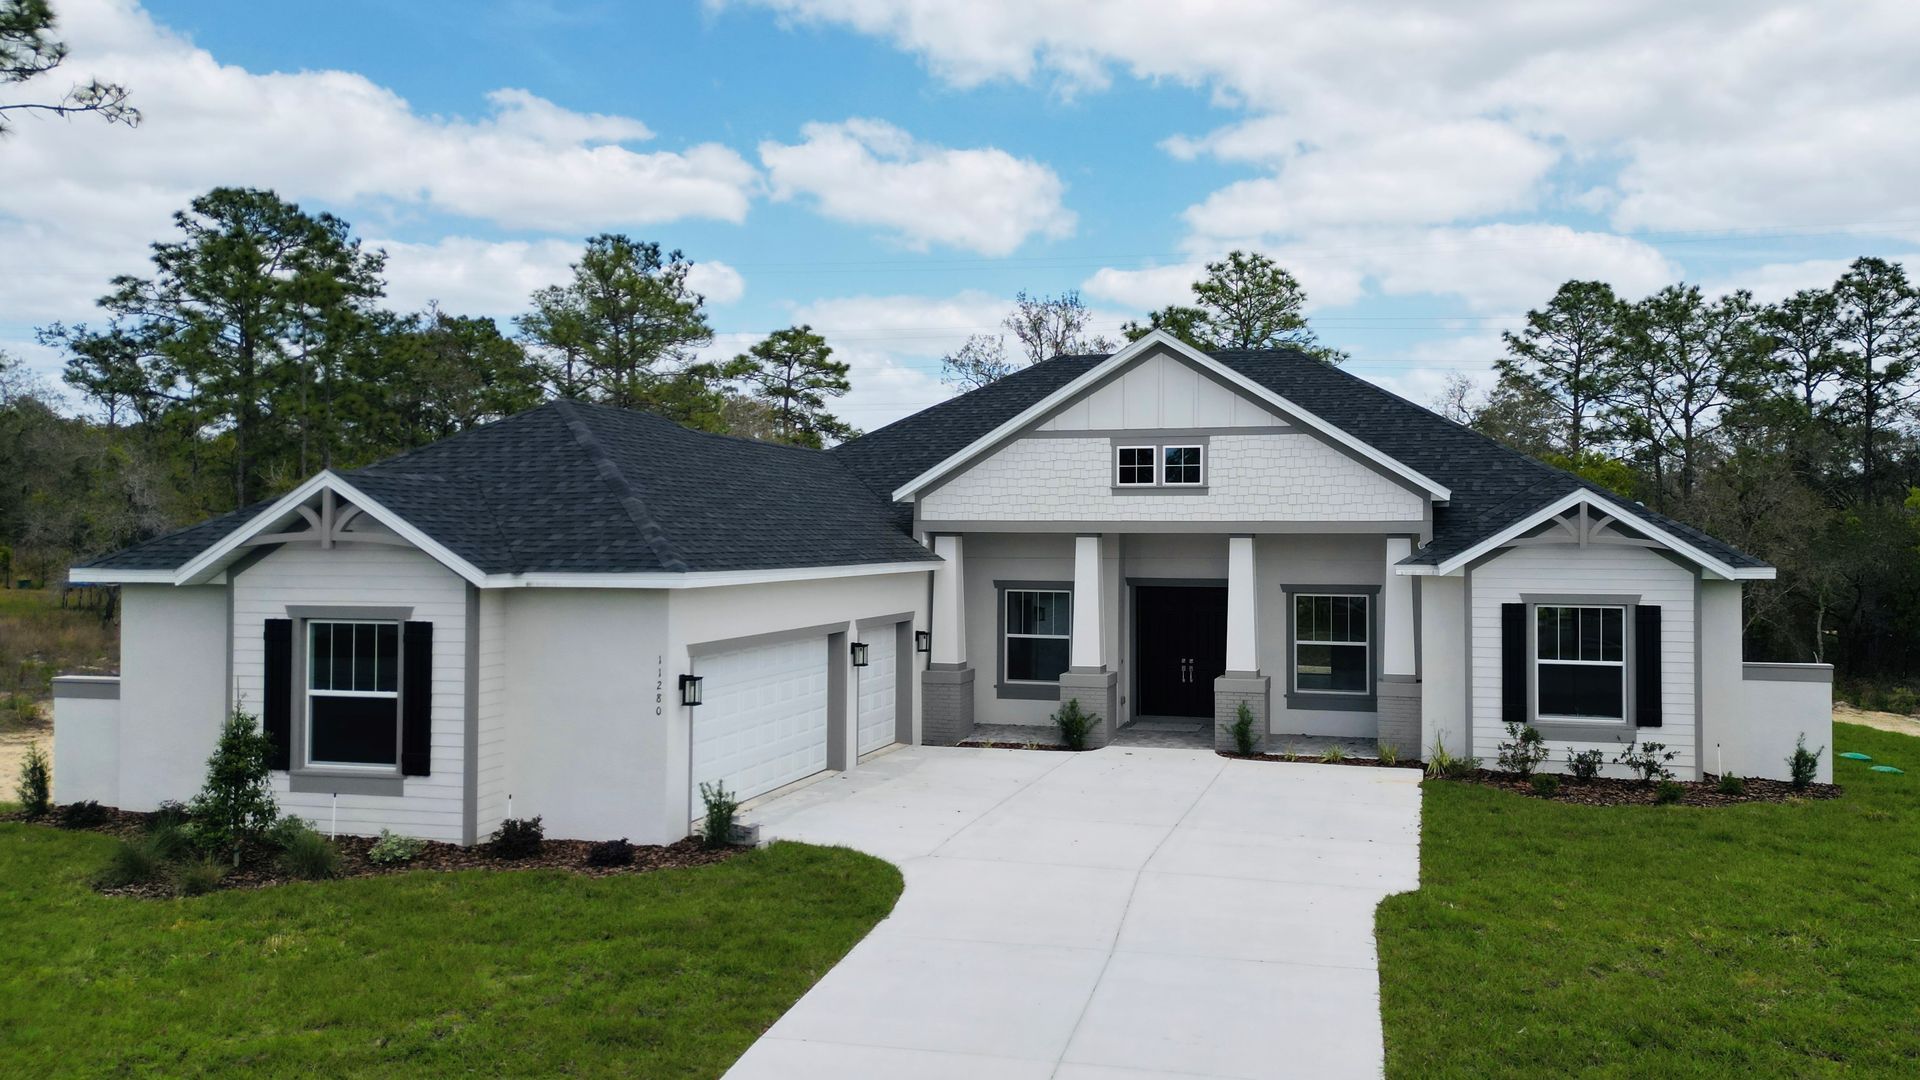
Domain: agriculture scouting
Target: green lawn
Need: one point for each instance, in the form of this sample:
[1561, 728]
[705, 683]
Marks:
[1756, 940]
[664, 974]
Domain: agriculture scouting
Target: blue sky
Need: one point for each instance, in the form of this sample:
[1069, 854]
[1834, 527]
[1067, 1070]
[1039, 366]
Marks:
[894, 170]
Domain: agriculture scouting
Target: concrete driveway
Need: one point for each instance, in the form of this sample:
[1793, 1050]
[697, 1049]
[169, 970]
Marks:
[1111, 915]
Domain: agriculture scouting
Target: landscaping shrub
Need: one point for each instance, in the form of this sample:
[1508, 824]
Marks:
[610, 853]
[1522, 752]
[304, 853]
[169, 841]
[132, 862]
[1648, 760]
[196, 877]
[1333, 755]
[1545, 785]
[721, 810]
[1388, 754]
[394, 848]
[1669, 792]
[172, 812]
[1074, 724]
[1443, 765]
[83, 815]
[35, 789]
[1243, 729]
[1903, 700]
[1732, 785]
[235, 807]
[517, 838]
[1584, 765]
[1804, 765]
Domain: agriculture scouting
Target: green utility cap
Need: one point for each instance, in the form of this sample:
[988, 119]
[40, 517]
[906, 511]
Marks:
[1891, 769]
[1855, 755]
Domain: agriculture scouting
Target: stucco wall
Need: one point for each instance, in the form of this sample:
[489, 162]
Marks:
[173, 689]
[1751, 714]
[1281, 561]
[1566, 569]
[1443, 664]
[992, 557]
[365, 575]
[1281, 477]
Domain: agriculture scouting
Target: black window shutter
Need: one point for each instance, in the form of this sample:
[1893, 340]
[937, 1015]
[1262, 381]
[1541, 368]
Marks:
[1646, 666]
[416, 699]
[1513, 663]
[276, 712]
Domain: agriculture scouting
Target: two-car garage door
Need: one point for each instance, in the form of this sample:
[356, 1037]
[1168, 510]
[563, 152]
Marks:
[763, 723]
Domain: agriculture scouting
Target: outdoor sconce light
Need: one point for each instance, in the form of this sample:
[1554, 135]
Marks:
[690, 689]
[859, 654]
[923, 641]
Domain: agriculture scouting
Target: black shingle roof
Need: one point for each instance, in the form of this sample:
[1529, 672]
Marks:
[568, 487]
[1492, 486]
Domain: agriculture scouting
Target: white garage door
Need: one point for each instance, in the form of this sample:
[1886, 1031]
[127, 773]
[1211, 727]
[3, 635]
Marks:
[876, 690]
[763, 721]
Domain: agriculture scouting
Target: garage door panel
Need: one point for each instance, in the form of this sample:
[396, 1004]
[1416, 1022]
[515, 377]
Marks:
[878, 690]
[763, 723]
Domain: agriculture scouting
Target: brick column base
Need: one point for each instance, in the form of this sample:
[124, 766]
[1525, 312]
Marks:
[1400, 715]
[1099, 696]
[1228, 695]
[946, 703]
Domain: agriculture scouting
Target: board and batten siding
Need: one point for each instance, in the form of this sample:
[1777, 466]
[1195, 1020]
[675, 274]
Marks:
[491, 801]
[1270, 476]
[366, 575]
[1160, 391]
[1570, 570]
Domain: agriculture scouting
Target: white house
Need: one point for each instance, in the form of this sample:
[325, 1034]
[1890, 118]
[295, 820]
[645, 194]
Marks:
[524, 611]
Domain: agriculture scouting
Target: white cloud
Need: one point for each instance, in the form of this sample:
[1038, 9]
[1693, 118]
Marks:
[84, 199]
[1513, 267]
[869, 172]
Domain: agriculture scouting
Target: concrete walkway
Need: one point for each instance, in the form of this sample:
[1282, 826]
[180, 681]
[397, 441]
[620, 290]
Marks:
[1113, 915]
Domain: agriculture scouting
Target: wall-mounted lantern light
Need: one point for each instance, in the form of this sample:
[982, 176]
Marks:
[923, 641]
[859, 654]
[690, 689]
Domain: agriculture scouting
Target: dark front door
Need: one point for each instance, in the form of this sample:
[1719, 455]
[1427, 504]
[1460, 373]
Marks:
[1180, 636]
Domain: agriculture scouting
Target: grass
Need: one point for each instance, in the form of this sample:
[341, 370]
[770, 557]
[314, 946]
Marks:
[1753, 940]
[38, 640]
[666, 974]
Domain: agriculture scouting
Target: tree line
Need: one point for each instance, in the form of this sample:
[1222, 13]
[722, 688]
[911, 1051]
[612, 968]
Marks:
[1786, 429]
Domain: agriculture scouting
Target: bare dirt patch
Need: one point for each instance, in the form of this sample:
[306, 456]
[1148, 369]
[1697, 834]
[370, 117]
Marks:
[1844, 713]
[13, 750]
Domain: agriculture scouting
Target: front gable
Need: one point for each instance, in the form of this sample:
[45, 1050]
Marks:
[1263, 463]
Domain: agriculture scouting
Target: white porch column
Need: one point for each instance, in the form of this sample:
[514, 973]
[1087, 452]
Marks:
[949, 617]
[1396, 613]
[1243, 609]
[1089, 622]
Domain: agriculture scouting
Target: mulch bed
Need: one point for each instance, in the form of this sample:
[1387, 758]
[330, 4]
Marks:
[1315, 759]
[1605, 791]
[258, 868]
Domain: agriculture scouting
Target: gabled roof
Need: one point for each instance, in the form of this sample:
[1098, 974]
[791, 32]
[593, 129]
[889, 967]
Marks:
[1490, 486]
[575, 489]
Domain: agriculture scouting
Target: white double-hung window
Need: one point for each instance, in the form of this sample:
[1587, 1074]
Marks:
[353, 693]
[1580, 662]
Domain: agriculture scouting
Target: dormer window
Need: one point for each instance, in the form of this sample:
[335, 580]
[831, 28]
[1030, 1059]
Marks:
[1183, 466]
[1134, 466]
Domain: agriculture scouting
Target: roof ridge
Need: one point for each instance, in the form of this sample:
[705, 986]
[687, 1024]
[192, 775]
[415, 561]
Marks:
[623, 489]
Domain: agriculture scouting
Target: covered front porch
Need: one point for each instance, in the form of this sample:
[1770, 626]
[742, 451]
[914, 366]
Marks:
[1164, 635]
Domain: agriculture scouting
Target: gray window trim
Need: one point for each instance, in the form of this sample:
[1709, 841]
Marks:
[303, 700]
[325, 779]
[1599, 730]
[318, 781]
[1159, 442]
[1311, 700]
[1004, 688]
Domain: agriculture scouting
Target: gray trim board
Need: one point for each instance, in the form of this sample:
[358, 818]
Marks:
[882, 620]
[1600, 728]
[1466, 637]
[839, 670]
[470, 726]
[88, 687]
[903, 682]
[1160, 489]
[1117, 525]
[1559, 599]
[1699, 681]
[1324, 701]
[775, 637]
[1021, 691]
[252, 556]
[321, 782]
[1144, 436]
[1774, 672]
[347, 612]
[1178, 583]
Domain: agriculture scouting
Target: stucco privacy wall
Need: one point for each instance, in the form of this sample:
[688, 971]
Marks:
[1597, 570]
[173, 697]
[698, 617]
[1752, 713]
[582, 744]
[362, 575]
[1161, 391]
[1280, 476]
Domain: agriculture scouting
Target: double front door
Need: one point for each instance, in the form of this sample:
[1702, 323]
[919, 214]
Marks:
[1180, 636]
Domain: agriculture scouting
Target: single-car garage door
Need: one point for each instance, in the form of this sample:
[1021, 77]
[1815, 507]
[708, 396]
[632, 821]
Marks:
[877, 682]
[763, 721]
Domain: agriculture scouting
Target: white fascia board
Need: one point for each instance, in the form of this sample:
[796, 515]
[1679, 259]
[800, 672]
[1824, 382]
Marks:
[210, 560]
[101, 575]
[699, 579]
[1620, 513]
[1040, 409]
